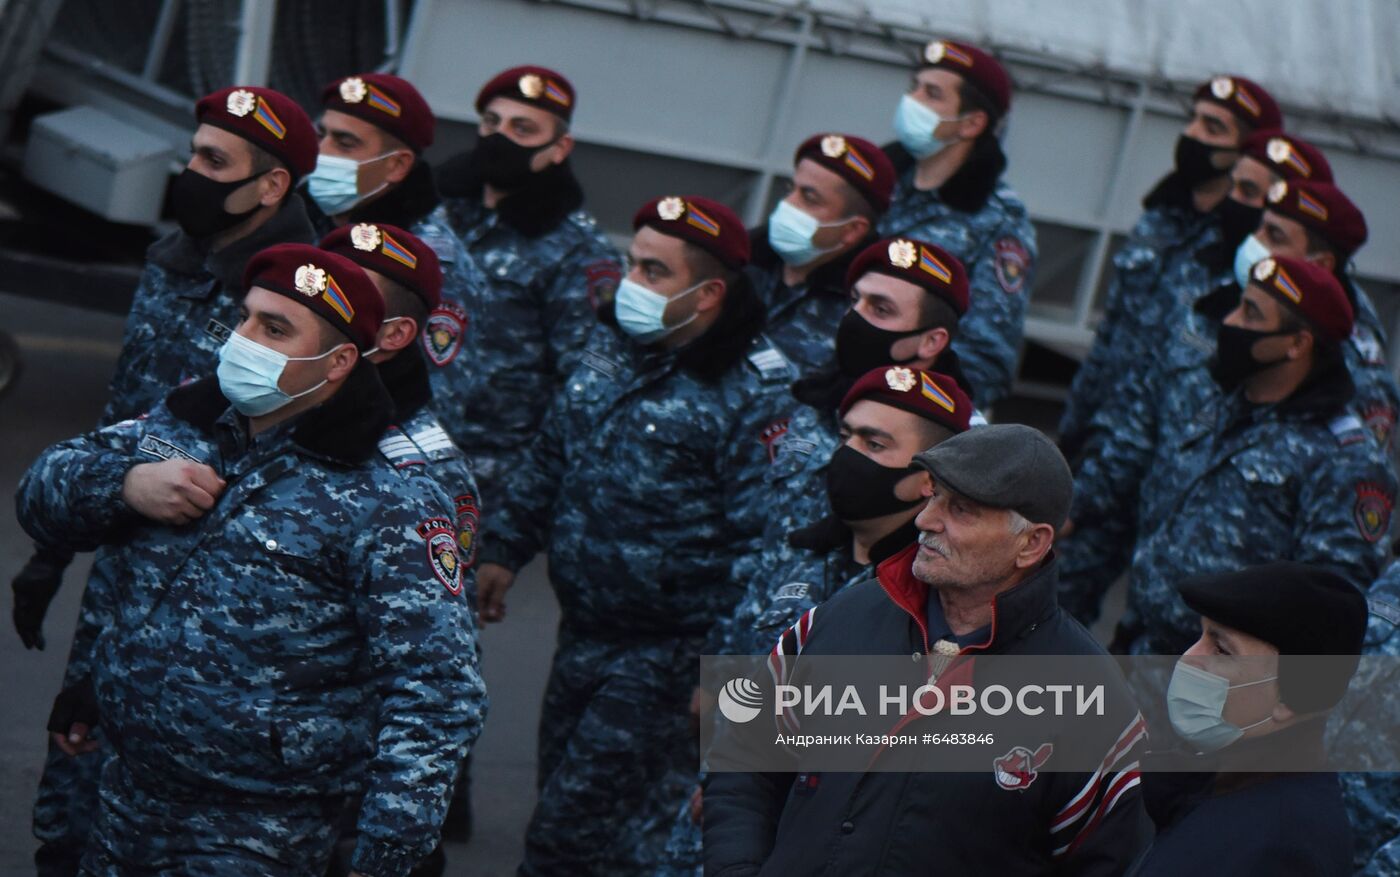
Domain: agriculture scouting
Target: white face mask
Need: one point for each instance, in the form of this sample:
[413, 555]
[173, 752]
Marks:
[790, 232]
[335, 183]
[640, 311]
[1246, 254]
[249, 374]
[1196, 705]
[915, 126]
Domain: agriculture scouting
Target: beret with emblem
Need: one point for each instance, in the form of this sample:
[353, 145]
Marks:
[1005, 466]
[1310, 291]
[920, 263]
[974, 65]
[331, 286]
[1322, 207]
[1298, 609]
[703, 222]
[930, 395]
[1292, 158]
[536, 86]
[1245, 98]
[389, 250]
[268, 119]
[385, 101]
[859, 162]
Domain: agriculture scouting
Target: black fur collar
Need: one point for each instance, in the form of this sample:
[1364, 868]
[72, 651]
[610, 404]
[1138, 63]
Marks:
[404, 205]
[831, 533]
[968, 189]
[726, 342]
[345, 428]
[182, 254]
[405, 377]
[1170, 191]
[534, 210]
[829, 277]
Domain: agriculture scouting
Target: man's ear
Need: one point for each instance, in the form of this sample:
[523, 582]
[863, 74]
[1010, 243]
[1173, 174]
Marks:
[973, 124]
[932, 343]
[400, 164]
[1302, 344]
[273, 186]
[342, 362]
[711, 295]
[1038, 541]
[855, 231]
[397, 335]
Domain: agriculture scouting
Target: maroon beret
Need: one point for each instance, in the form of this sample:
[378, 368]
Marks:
[1292, 158]
[331, 286]
[536, 86]
[1323, 208]
[974, 65]
[1310, 291]
[387, 102]
[1245, 98]
[268, 119]
[707, 224]
[920, 263]
[930, 395]
[389, 250]
[857, 161]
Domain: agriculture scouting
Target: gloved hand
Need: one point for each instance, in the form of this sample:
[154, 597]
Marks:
[34, 589]
[73, 717]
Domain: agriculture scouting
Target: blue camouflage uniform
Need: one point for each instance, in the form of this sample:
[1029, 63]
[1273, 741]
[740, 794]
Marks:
[983, 223]
[802, 319]
[185, 307]
[638, 486]
[335, 657]
[1373, 799]
[1239, 484]
[499, 355]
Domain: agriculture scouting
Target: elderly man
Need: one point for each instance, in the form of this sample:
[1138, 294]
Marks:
[982, 577]
[1244, 699]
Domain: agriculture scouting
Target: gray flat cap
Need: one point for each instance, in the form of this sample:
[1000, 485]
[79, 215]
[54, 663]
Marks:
[1005, 466]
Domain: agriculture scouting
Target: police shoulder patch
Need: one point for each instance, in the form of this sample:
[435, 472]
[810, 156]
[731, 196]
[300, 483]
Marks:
[444, 333]
[468, 517]
[603, 277]
[1372, 510]
[439, 539]
[772, 366]
[1012, 263]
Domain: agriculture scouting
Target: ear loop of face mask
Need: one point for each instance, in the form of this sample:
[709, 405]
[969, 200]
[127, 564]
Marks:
[324, 381]
[382, 323]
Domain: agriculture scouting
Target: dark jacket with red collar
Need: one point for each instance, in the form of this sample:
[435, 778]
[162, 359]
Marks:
[890, 824]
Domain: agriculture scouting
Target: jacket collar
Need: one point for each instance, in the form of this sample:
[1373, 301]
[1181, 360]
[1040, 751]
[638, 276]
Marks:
[405, 205]
[828, 278]
[968, 189]
[1014, 611]
[345, 429]
[182, 254]
[405, 377]
[534, 210]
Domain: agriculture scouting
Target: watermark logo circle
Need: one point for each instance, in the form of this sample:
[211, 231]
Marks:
[739, 700]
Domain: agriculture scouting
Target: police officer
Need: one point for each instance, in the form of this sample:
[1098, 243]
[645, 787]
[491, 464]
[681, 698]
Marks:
[1179, 221]
[889, 415]
[1266, 463]
[337, 653]
[1266, 158]
[840, 187]
[518, 210]
[950, 192]
[981, 577]
[638, 487]
[235, 197]
[1250, 698]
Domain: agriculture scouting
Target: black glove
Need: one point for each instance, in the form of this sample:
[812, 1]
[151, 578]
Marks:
[74, 704]
[34, 589]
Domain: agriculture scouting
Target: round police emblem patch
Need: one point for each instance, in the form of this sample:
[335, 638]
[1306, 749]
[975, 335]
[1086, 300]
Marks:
[1372, 511]
[1012, 260]
[443, 334]
[442, 554]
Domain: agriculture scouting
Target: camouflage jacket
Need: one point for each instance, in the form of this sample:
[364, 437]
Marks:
[333, 652]
[185, 306]
[984, 224]
[644, 482]
[1240, 484]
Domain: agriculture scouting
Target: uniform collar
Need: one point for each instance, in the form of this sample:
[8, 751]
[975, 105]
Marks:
[182, 254]
[345, 429]
[534, 210]
[970, 187]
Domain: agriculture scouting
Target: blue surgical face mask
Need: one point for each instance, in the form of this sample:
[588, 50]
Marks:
[640, 311]
[914, 126]
[1196, 706]
[335, 183]
[1246, 254]
[790, 232]
[249, 373]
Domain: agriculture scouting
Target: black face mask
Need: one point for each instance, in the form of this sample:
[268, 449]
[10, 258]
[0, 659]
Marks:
[1237, 222]
[861, 489]
[198, 203]
[503, 163]
[1234, 355]
[861, 346]
[1193, 161]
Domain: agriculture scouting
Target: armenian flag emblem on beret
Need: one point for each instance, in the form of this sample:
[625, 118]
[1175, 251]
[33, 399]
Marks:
[833, 145]
[531, 86]
[900, 379]
[365, 237]
[1264, 269]
[1278, 191]
[670, 209]
[353, 90]
[240, 103]
[903, 254]
[1222, 87]
[310, 281]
